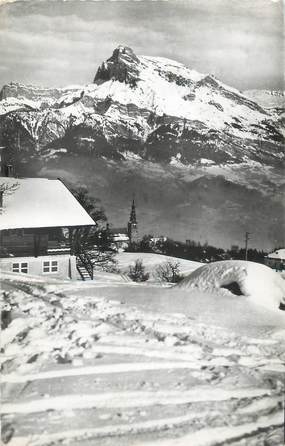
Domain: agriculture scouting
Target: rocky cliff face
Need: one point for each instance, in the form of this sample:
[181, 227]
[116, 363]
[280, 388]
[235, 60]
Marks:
[151, 112]
[122, 66]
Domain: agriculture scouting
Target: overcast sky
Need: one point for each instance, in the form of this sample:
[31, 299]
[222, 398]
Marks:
[56, 42]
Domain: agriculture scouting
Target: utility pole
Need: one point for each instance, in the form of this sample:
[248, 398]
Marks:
[18, 140]
[246, 243]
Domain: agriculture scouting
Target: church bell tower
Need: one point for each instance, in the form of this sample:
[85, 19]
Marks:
[133, 225]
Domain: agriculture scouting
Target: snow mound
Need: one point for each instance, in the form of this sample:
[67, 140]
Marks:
[257, 282]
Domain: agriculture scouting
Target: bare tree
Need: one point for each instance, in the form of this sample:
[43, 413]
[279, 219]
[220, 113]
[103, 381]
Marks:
[7, 189]
[169, 272]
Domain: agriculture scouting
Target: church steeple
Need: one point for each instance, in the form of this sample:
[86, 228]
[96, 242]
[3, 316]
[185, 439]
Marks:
[132, 224]
[133, 217]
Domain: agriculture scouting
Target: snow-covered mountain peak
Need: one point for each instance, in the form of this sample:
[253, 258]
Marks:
[125, 66]
[166, 87]
[157, 84]
[122, 53]
[157, 103]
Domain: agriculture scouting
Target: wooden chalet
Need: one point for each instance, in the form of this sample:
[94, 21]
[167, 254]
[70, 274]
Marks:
[36, 215]
[276, 259]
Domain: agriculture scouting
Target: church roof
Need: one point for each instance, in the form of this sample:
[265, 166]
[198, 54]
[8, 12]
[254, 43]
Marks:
[40, 203]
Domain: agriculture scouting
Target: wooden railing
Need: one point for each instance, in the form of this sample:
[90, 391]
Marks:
[86, 262]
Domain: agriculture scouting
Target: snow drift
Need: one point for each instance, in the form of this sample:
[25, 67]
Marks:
[258, 282]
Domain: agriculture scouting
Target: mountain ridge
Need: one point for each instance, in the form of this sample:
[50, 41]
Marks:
[158, 85]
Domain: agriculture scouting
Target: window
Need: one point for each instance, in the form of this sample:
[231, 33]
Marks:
[21, 267]
[50, 266]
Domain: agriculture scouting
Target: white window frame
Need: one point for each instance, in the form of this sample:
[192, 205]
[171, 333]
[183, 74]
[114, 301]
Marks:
[50, 266]
[20, 267]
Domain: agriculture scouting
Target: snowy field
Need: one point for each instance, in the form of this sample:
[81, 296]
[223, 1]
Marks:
[113, 363]
[151, 261]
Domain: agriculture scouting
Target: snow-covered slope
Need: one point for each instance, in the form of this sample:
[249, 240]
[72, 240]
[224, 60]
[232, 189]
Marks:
[152, 261]
[267, 98]
[120, 364]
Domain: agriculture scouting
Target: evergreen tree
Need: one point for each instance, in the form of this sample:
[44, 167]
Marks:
[137, 272]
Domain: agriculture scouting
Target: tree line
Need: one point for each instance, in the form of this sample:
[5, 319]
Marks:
[195, 251]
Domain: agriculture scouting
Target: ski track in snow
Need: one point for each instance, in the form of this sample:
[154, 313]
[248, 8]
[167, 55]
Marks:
[208, 437]
[215, 436]
[130, 399]
[236, 379]
[97, 370]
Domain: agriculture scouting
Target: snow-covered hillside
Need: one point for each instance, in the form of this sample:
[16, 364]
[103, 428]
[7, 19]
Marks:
[267, 98]
[152, 261]
[116, 363]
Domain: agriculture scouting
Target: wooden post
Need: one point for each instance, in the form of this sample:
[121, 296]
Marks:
[246, 244]
[69, 269]
[70, 238]
[37, 244]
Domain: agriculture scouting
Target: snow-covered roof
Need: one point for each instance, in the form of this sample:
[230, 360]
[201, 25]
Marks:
[120, 238]
[278, 254]
[40, 203]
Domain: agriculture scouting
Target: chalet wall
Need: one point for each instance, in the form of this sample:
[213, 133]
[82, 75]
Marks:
[64, 268]
[278, 264]
[20, 242]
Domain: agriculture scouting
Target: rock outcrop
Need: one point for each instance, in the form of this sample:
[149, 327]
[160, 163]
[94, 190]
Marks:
[122, 66]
